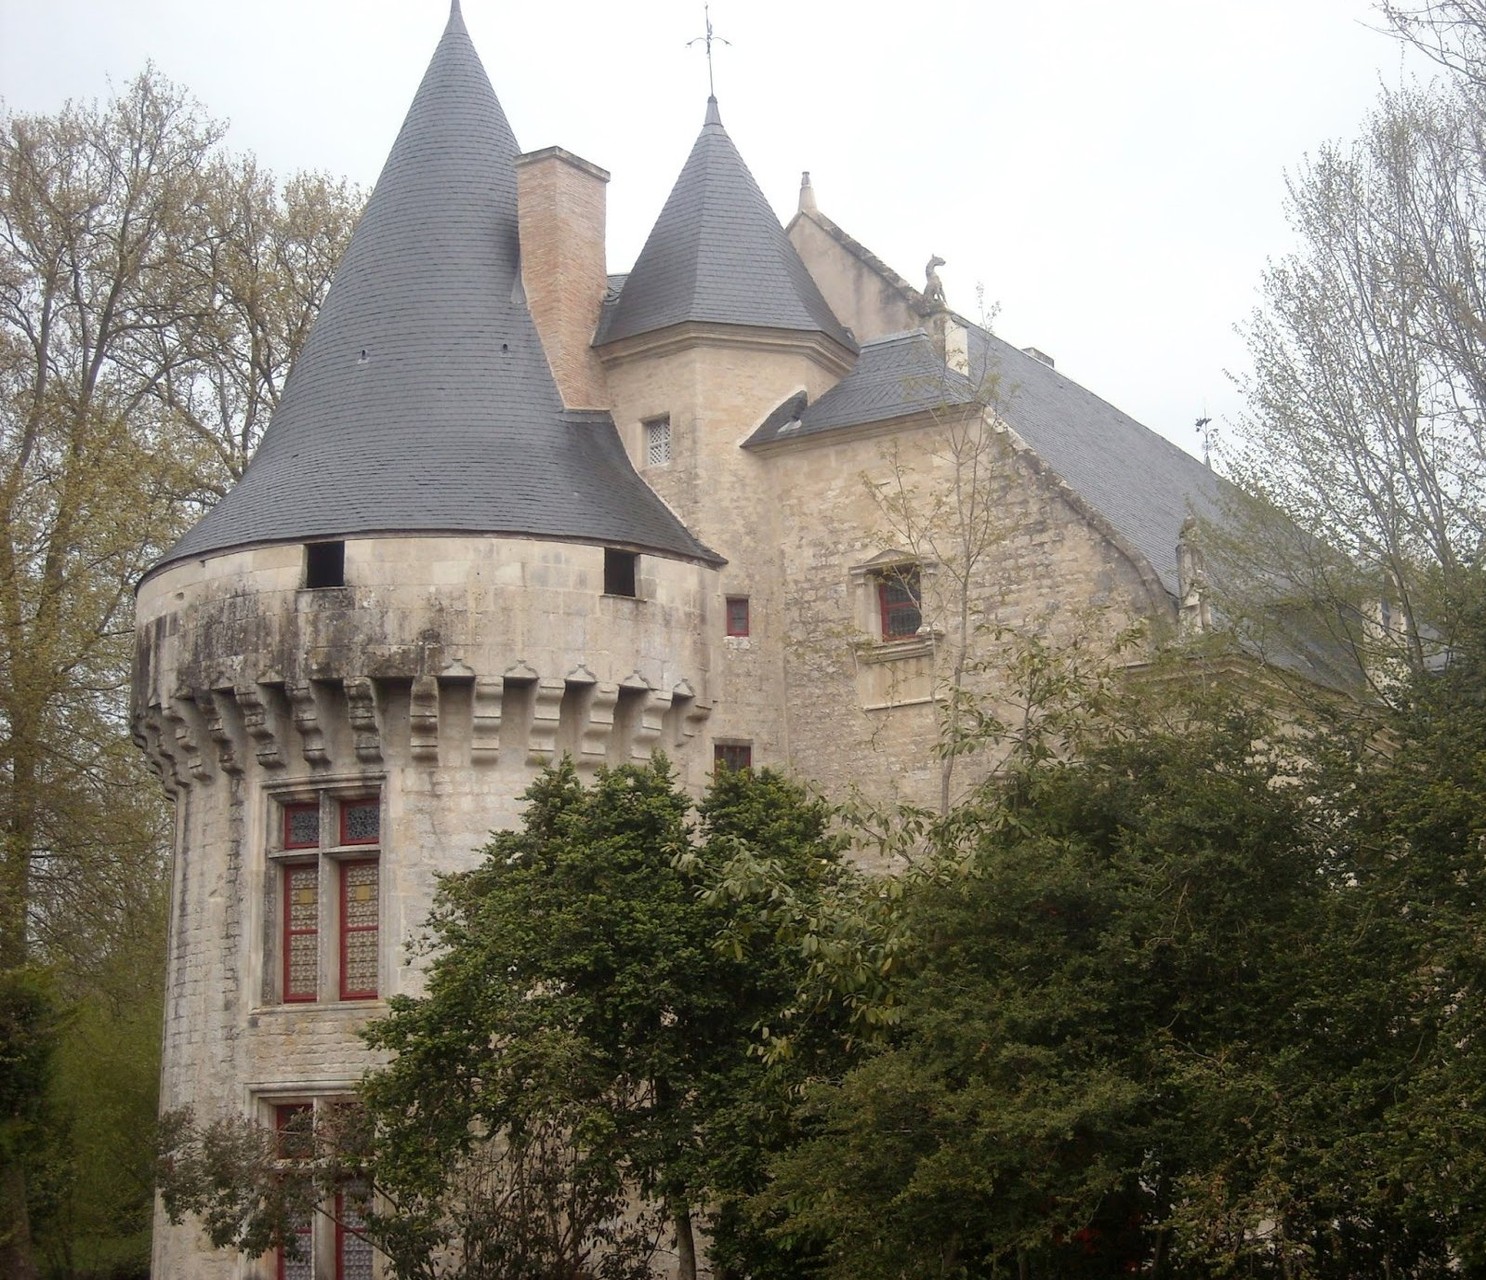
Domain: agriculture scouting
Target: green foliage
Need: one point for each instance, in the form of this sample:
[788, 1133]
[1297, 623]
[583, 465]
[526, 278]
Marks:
[585, 1071]
[1158, 1013]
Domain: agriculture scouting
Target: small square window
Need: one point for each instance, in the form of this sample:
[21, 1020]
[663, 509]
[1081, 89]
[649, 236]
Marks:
[302, 826]
[732, 755]
[361, 821]
[737, 624]
[900, 602]
[324, 564]
[658, 441]
[619, 572]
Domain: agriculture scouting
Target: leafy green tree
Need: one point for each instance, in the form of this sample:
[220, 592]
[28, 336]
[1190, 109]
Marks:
[1149, 1021]
[585, 1072]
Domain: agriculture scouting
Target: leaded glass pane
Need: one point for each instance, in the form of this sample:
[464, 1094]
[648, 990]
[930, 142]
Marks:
[303, 1267]
[355, 1261]
[301, 826]
[360, 821]
[359, 915]
[301, 940]
[361, 895]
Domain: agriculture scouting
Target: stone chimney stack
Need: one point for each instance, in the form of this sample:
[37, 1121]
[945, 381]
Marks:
[560, 204]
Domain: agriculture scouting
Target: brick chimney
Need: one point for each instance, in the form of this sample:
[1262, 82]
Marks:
[560, 207]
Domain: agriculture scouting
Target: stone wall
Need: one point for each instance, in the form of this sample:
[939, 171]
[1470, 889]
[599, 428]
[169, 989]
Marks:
[863, 711]
[717, 388]
[436, 682]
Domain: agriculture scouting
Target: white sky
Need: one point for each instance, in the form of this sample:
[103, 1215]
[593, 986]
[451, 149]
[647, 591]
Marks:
[1111, 173]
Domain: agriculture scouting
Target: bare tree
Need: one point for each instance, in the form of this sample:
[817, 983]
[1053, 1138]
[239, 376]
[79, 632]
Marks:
[152, 293]
[1364, 425]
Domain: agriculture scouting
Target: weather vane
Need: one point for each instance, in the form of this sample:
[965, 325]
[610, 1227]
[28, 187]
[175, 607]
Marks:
[707, 40]
[1207, 440]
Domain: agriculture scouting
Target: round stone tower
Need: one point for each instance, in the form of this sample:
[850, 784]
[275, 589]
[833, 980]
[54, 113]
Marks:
[432, 579]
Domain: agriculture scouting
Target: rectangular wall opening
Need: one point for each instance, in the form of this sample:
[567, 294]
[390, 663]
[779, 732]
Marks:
[324, 564]
[620, 572]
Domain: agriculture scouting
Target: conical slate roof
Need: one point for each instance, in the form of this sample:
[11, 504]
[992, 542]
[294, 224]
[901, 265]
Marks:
[718, 254]
[422, 401]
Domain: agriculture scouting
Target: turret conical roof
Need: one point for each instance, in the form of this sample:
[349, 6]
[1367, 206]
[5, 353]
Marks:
[717, 254]
[422, 400]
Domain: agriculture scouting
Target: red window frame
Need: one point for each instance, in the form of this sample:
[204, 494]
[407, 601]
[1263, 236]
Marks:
[286, 873]
[899, 602]
[289, 810]
[346, 806]
[732, 755]
[737, 615]
[347, 929]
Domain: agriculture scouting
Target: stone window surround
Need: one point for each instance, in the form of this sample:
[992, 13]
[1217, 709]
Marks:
[332, 861]
[864, 581]
[329, 1239]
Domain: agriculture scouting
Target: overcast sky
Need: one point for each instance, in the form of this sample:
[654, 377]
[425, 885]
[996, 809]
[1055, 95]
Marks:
[1112, 175]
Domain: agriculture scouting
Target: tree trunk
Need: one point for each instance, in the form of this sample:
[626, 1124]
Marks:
[686, 1245]
[16, 1260]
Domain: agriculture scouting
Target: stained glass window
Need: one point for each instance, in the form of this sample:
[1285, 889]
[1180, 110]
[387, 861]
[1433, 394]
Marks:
[301, 931]
[361, 821]
[302, 826]
[353, 1251]
[359, 918]
[295, 1124]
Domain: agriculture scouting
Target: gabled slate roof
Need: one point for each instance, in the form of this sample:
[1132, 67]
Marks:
[1140, 482]
[717, 254]
[422, 401]
[893, 377]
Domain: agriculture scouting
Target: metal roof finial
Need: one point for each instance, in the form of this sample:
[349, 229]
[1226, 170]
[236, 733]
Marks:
[706, 40]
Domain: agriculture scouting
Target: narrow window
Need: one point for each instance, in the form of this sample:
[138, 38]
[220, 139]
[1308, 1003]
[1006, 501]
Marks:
[619, 572]
[658, 441]
[324, 564]
[353, 1251]
[294, 1125]
[900, 602]
[301, 881]
[359, 914]
[737, 615]
[732, 755]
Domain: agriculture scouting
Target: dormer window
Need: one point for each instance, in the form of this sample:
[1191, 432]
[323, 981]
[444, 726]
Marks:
[324, 564]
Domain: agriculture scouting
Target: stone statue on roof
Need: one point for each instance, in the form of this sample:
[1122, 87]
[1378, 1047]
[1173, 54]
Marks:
[933, 285]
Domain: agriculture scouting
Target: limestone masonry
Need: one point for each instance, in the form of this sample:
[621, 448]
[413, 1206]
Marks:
[750, 503]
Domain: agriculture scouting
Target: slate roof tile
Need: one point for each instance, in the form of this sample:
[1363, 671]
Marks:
[422, 400]
[1140, 482]
[718, 254]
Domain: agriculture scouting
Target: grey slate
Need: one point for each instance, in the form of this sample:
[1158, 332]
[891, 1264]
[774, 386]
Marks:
[1140, 482]
[717, 254]
[422, 401]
